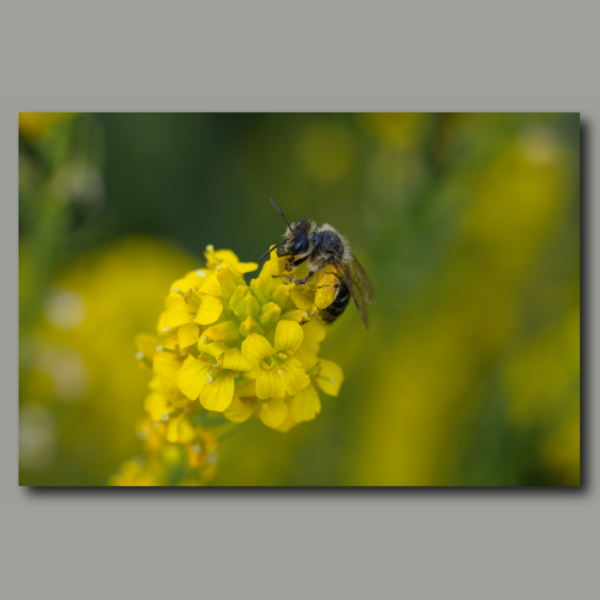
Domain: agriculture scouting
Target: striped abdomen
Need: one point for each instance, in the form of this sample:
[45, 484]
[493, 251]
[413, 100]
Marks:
[338, 306]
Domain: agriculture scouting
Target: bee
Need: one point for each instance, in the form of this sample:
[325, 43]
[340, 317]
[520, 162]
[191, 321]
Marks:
[327, 254]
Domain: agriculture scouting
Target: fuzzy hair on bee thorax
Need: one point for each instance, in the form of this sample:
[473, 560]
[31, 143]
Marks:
[328, 246]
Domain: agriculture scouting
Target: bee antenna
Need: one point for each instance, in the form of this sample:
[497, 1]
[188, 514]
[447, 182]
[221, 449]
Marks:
[279, 211]
[269, 251]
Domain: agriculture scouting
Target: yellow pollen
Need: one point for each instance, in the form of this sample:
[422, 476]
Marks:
[197, 448]
[265, 407]
[210, 248]
[159, 348]
[218, 267]
[209, 379]
[175, 289]
[305, 315]
[280, 373]
[200, 273]
[333, 380]
[166, 328]
[205, 338]
[165, 417]
[139, 355]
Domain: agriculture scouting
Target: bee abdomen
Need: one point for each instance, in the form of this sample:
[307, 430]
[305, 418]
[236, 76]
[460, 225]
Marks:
[338, 306]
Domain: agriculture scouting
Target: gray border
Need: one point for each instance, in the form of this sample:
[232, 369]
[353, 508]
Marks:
[475, 543]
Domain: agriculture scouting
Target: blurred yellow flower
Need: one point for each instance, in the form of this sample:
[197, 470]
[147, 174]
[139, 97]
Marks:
[34, 126]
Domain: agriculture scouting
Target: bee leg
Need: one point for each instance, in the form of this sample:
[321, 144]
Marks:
[306, 279]
[290, 267]
[293, 264]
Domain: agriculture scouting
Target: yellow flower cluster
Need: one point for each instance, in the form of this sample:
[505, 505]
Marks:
[242, 350]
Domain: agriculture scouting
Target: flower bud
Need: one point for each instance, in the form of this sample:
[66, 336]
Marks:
[250, 306]
[229, 281]
[260, 289]
[249, 326]
[269, 314]
[280, 294]
[236, 299]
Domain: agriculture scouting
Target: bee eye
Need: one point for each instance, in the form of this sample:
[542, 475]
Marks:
[301, 245]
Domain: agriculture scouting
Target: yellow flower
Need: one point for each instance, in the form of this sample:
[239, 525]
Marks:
[213, 383]
[306, 404]
[216, 259]
[34, 126]
[137, 473]
[245, 350]
[278, 371]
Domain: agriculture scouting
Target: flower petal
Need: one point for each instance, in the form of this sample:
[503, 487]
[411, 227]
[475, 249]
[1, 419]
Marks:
[273, 412]
[288, 336]
[276, 264]
[218, 394]
[239, 410]
[330, 377]
[146, 344]
[173, 429]
[301, 298]
[156, 405]
[306, 356]
[306, 404]
[234, 360]
[314, 331]
[166, 364]
[179, 312]
[255, 348]
[192, 377]
[215, 349]
[210, 310]
[293, 375]
[269, 384]
[212, 286]
[188, 334]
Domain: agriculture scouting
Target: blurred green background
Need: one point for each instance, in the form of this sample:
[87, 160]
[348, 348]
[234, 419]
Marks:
[468, 225]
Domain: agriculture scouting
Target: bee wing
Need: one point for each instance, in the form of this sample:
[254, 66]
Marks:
[361, 280]
[357, 281]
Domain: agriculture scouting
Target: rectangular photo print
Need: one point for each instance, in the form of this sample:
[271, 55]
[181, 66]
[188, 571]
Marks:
[299, 299]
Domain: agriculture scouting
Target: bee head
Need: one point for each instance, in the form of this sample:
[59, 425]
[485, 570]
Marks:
[297, 239]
